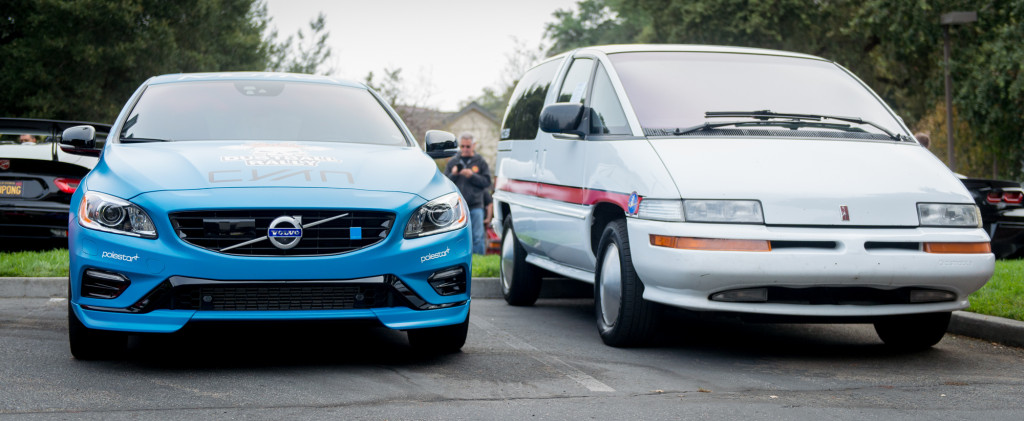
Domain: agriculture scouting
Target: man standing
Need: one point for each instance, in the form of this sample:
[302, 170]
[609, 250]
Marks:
[471, 175]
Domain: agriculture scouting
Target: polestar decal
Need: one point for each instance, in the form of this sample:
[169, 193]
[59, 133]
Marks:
[119, 256]
[437, 255]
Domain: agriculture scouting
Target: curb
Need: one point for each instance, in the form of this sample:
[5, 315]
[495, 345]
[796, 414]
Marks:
[989, 328]
[33, 287]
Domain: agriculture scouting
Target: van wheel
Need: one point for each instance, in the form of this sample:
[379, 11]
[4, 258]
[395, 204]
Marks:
[520, 281]
[914, 331]
[624, 319]
[93, 344]
[439, 340]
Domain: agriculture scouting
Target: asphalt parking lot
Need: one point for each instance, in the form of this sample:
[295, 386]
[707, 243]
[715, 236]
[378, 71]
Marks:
[543, 362]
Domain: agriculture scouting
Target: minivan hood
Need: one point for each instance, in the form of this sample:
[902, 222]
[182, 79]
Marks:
[127, 170]
[806, 181]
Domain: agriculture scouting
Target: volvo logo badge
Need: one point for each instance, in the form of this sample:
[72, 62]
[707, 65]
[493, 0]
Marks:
[285, 232]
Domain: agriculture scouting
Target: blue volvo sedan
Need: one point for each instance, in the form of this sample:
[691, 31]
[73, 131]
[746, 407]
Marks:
[264, 197]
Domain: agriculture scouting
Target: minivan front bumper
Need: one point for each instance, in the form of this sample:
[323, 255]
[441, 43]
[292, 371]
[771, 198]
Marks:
[832, 271]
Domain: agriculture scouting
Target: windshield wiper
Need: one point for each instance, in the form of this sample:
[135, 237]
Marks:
[790, 124]
[765, 115]
[142, 140]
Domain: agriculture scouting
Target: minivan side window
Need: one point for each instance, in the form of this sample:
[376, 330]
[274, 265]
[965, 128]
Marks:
[574, 89]
[606, 115]
[523, 116]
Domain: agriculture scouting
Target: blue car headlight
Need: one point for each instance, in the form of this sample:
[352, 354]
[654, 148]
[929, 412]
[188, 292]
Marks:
[104, 212]
[446, 213]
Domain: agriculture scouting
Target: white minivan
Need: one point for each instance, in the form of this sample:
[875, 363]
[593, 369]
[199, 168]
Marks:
[760, 183]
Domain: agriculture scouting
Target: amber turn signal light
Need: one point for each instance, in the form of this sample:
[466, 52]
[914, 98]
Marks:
[713, 244]
[957, 248]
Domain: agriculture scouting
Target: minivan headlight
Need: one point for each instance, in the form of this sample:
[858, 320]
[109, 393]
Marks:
[948, 215]
[446, 213]
[104, 212]
[661, 209]
[728, 211]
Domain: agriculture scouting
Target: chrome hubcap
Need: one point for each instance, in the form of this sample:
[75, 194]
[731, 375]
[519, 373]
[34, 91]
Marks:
[611, 285]
[508, 258]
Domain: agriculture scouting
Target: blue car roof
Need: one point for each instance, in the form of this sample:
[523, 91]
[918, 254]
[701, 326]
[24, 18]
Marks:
[296, 77]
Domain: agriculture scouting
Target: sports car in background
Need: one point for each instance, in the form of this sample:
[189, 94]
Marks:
[37, 179]
[1002, 214]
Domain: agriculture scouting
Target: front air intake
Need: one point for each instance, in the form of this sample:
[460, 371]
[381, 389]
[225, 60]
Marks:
[102, 284]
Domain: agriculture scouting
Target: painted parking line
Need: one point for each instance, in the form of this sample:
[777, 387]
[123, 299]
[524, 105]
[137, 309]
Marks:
[551, 361]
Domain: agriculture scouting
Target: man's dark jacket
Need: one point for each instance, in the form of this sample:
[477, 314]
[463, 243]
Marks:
[472, 188]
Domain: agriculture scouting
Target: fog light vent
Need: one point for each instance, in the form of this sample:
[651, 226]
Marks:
[930, 296]
[449, 281]
[749, 295]
[105, 285]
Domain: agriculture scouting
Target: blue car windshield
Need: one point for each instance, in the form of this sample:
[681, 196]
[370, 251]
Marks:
[260, 110]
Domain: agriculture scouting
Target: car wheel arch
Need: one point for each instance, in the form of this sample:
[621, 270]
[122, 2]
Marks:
[602, 214]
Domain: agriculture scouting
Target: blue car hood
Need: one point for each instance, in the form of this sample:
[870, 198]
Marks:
[127, 170]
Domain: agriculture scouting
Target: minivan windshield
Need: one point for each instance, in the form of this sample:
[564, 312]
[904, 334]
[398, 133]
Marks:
[259, 110]
[671, 90]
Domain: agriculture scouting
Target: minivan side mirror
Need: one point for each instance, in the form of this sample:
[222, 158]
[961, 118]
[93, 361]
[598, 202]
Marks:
[79, 140]
[440, 144]
[562, 118]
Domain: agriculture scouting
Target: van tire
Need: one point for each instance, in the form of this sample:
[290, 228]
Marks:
[520, 281]
[624, 318]
[914, 331]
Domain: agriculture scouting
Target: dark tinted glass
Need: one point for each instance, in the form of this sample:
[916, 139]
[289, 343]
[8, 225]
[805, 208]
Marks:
[521, 120]
[675, 89]
[261, 110]
[606, 115]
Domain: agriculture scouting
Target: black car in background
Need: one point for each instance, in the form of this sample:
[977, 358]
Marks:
[1002, 214]
[37, 179]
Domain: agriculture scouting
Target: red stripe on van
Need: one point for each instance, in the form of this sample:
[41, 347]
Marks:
[568, 194]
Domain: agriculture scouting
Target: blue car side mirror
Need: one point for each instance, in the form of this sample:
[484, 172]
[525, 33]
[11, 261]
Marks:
[440, 144]
[79, 140]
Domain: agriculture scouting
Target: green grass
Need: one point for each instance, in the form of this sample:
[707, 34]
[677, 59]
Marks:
[485, 266]
[55, 263]
[1003, 295]
[50, 263]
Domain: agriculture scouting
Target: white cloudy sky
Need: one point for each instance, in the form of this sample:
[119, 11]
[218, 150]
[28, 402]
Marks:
[448, 50]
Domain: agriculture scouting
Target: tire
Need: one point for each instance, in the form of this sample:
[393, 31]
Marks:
[624, 318]
[439, 340]
[520, 281]
[93, 344]
[913, 332]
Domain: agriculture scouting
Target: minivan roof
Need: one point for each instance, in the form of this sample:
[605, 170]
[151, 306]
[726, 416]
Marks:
[625, 48]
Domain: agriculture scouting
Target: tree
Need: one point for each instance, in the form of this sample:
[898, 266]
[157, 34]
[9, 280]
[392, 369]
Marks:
[595, 22]
[305, 56]
[80, 60]
[495, 99]
[408, 103]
